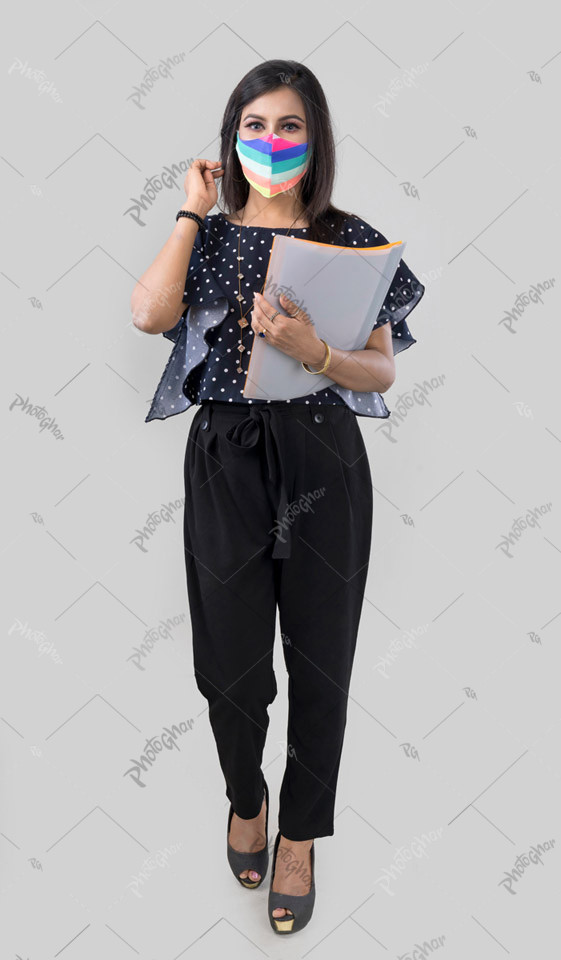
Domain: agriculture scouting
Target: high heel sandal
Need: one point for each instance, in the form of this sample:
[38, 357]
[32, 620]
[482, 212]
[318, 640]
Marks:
[301, 906]
[257, 860]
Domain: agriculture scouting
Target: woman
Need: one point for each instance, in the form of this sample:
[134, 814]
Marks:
[278, 494]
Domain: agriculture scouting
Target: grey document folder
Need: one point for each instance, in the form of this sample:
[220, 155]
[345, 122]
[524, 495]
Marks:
[341, 288]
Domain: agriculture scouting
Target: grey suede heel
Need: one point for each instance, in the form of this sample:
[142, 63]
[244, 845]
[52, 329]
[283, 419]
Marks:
[301, 906]
[257, 860]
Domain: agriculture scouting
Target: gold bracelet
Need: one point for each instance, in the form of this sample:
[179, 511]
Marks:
[327, 360]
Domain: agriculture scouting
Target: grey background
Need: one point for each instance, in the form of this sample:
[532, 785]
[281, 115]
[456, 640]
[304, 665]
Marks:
[464, 164]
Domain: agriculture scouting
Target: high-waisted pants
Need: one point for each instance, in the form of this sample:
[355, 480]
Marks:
[278, 513]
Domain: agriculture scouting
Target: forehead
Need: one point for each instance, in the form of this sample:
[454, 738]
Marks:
[280, 102]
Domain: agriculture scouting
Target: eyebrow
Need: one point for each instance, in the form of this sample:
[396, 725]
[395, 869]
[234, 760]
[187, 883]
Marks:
[289, 116]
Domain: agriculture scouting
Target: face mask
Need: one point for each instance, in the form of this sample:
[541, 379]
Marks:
[272, 164]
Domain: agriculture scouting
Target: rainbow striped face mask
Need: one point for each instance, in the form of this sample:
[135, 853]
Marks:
[272, 164]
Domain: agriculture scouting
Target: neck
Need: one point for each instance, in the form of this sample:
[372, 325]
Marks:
[279, 211]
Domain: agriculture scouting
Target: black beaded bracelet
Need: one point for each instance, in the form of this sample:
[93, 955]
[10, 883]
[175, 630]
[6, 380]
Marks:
[194, 216]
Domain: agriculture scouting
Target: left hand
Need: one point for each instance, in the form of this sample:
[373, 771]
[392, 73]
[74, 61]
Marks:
[294, 335]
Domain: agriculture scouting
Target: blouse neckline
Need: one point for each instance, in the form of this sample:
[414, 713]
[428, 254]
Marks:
[254, 227]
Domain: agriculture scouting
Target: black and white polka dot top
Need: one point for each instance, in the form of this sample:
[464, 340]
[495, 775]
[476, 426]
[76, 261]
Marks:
[213, 270]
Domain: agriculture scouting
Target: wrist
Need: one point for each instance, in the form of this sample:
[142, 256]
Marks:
[188, 227]
[195, 207]
[319, 356]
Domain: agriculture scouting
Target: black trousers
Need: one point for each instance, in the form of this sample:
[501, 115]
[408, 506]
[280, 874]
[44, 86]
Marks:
[278, 513]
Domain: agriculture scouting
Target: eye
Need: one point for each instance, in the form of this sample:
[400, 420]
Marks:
[289, 123]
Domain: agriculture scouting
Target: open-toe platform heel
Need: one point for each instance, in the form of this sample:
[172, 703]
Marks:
[257, 860]
[301, 906]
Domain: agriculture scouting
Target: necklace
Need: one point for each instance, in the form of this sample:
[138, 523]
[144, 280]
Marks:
[239, 296]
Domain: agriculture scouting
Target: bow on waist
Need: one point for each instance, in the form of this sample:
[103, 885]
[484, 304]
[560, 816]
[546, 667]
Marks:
[246, 433]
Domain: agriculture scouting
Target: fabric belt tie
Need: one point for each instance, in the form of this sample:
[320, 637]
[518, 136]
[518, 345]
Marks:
[245, 433]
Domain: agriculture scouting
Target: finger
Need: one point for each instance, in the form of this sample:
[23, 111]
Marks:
[288, 304]
[259, 299]
[263, 324]
[292, 308]
[209, 168]
[202, 164]
[262, 317]
[256, 326]
[267, 311]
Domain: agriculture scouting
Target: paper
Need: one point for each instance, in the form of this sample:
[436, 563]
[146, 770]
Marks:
[341, 288]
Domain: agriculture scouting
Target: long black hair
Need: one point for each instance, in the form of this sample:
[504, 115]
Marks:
[317, 182]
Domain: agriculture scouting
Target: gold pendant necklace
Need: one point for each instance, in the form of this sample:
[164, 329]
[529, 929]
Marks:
[239, 296]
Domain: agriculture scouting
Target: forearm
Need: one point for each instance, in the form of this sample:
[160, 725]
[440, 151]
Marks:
[362, 370]
[156, 301]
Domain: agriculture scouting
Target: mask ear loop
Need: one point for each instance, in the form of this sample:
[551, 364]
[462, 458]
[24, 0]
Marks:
[236, 179]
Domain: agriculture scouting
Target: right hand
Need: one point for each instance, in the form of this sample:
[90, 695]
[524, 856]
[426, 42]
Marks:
[200, 187]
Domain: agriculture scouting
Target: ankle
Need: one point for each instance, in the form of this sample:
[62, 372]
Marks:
[299, 845]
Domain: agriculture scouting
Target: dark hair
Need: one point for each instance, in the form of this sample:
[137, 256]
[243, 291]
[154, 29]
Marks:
[317, 183]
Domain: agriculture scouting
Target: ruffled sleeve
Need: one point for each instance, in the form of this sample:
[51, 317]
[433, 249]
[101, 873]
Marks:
[194, 282]
[402, 297]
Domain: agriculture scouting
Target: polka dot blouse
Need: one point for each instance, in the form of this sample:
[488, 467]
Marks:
[212, 273]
